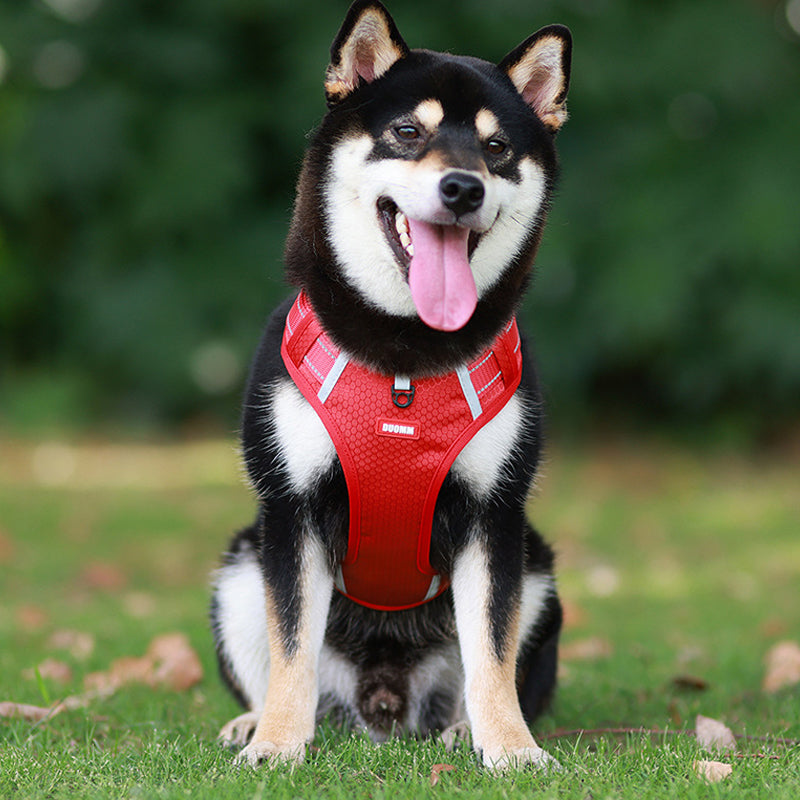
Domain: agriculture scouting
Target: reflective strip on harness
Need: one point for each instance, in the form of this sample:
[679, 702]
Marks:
[330, 379]
[396, 438]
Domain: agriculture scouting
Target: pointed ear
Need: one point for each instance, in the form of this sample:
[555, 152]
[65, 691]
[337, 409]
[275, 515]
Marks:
[539, 68]
[367, 44]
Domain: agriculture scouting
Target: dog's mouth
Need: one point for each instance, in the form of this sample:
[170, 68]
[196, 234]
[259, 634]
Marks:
[434, 259]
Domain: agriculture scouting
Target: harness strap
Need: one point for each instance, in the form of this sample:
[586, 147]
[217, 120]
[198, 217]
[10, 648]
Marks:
[396, 439]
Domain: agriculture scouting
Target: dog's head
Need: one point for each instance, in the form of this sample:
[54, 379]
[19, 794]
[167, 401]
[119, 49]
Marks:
[426, 186]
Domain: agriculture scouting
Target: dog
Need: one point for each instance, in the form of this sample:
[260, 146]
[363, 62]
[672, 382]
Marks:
[392, 423]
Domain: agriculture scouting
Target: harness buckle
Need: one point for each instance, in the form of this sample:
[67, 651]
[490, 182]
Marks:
[402, 391]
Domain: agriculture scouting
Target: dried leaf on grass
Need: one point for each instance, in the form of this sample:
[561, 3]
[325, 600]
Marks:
[690, 683]
[170, 662]
[10, 710]
[128, 669]
[592, 649]
[6, 548]
[104, 576]
[140, 605]
[176, 663]
[574, 615]
[50, 669]
[30, 617]
[714, 735]
[78, 644]
[437, 770]
[712, 771]
[783, 666]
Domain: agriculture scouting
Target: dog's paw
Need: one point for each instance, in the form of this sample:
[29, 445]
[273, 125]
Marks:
[239, 730]
[257, 753]
[536, 757]
[454, 734]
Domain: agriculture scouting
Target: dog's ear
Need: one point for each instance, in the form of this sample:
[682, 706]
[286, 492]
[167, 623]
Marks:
[368, 43]
[539, 68]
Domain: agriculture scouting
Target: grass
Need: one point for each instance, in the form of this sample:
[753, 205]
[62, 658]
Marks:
[672, 563]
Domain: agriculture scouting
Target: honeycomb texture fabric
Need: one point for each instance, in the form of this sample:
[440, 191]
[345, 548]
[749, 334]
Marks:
[396, 439]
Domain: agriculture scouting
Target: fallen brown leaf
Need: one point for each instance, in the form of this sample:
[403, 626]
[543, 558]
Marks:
[592, 649]
[140, 604]
[170, 662]
[773, 627]
[713, 735]
[10, 710]
[574, 615]
[783, 666]
[130, 669]
[102, 575]
[6, 547]
[176, 664]
[31, 618]
[712, 771]
[437, 770]
[80, 645]
[50, 669]
[690, 682]
[100, 682]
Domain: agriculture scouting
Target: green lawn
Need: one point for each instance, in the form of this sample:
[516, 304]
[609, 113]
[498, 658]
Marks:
[673, 564]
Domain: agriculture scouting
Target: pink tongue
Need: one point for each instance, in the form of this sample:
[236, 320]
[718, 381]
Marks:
[440, 279]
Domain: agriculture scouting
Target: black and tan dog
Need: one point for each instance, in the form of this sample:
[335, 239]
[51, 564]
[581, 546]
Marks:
[392, 423]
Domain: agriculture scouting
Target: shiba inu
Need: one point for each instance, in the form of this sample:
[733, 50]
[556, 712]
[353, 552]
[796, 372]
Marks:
[392, 423]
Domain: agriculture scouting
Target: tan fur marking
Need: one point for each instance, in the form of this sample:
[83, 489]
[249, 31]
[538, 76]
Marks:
[431, 162]
[486, 124]
[288, 715]
[430, 114]
[288, 720]
[493, 693]
[434, 161]
[498, 727]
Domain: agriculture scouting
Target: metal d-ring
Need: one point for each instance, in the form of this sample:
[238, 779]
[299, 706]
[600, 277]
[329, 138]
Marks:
[402, 391]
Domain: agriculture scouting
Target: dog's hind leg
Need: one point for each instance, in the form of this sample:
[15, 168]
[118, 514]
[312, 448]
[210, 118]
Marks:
[488, 606]
[538, 660]
[297, 599]
[240, 634]
[540, 625]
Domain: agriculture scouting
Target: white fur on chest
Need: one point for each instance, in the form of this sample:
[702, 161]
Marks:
[480, 464]
[307, 451]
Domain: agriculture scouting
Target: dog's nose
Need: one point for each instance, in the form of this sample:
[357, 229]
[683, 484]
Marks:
[461, 192]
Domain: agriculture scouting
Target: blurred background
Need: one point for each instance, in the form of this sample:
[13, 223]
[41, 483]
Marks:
[148, 152]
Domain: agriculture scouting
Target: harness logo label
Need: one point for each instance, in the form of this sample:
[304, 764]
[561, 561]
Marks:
[406, 429]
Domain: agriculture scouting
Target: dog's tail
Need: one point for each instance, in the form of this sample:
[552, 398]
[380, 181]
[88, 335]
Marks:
[383, 697]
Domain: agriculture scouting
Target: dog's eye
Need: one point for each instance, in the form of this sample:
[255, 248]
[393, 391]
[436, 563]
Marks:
[495, 147]
[407, 132]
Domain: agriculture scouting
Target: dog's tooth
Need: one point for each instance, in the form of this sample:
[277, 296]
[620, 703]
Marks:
[410, 249]
[400, 222]
[405, 239]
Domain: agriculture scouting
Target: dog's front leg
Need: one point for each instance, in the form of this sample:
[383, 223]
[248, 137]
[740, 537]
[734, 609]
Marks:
[487, 620]
[297, 600]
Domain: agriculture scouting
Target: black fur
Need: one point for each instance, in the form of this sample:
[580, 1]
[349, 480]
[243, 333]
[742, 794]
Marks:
[398, 344]
[385, 646]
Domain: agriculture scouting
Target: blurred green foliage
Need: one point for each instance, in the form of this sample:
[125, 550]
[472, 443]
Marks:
[148, 151]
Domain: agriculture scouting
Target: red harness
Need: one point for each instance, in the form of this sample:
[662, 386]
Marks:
[396, 443]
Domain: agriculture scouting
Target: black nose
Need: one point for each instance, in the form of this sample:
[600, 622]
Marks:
[461, 192]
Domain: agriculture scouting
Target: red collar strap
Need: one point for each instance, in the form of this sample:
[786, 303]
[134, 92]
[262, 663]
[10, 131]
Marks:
[396, 439]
